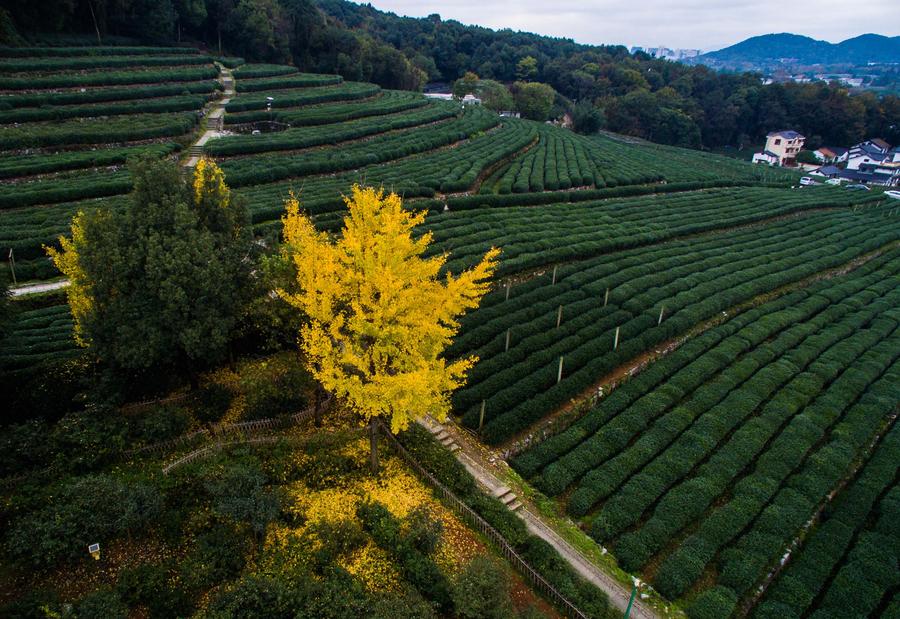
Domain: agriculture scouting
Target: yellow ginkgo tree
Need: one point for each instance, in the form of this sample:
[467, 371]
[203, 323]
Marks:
[379, 312]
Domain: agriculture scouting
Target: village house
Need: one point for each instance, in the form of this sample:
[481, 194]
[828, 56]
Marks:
[781, 149]
[869, 153]
[831, 154]
[872, 162]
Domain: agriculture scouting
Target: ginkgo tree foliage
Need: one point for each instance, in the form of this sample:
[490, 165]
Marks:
[379, 312]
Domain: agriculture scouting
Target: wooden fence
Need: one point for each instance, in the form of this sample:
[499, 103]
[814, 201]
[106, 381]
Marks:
[218, 431]
[482, 525]
[240, 433]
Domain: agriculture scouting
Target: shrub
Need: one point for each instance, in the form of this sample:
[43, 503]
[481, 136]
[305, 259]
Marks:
[256, 596]
[275, 387]
[162, 423]
[713, 603]
[90, 509]
[239, 493]
[423, 530]
[151, 585]
[101, 604]
[481, 590]
[211, 402]
[220, 554]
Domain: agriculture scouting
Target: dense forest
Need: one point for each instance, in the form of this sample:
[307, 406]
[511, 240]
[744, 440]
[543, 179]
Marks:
[658, 100]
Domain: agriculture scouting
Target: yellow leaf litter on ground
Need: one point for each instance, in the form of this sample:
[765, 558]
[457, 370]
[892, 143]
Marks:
[399, 490]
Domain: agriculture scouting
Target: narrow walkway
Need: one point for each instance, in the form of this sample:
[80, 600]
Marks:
[24, 289]
[215, 118]
[451, 438]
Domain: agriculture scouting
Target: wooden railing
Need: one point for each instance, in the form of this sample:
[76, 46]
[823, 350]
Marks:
[482, 525]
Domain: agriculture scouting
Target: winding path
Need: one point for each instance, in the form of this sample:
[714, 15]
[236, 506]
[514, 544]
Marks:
[459, 443]
[195, 151]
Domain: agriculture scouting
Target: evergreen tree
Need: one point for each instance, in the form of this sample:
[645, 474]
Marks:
[161, 285]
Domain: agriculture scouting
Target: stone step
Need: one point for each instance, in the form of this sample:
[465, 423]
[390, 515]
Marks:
[514, 506]
[446, 441]
[499, 492]
[441, 434]
[453, 447]
[507, 498]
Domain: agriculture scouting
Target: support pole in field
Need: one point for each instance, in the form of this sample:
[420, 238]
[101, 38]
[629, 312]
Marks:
[559, 373]
[506, 348]
[481, 416]
[606, 297]
[661, 310]
[12, 266]
[616, 342]
[507, 290]
[553, 283]
[559, 317]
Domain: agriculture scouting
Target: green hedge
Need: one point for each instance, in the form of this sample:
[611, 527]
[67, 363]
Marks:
[100, 95]
[108, 78]
[153, 106]
[98, 131]
[79, 63]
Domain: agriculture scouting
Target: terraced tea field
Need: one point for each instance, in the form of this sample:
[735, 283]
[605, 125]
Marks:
[695, 360]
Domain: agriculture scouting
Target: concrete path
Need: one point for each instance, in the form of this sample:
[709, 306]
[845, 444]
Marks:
[18, 291]
[457, 442]
[214, 119]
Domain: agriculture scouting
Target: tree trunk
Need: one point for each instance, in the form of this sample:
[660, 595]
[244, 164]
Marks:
[317, 405]
[94, 19]
[373, 444]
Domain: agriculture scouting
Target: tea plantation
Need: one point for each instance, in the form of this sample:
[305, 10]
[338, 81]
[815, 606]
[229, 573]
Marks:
[716, 350]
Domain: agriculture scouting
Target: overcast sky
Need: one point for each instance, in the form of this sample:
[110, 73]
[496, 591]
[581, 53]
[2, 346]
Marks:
[704, 24]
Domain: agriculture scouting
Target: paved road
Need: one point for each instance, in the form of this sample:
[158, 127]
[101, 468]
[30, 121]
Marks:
[618, 594]
[18, 291]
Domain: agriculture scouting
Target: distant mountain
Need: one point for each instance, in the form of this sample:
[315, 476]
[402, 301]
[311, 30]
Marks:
[772, 50]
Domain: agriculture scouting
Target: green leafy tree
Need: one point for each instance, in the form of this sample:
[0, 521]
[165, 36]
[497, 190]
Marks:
[467, 84]
[806, 156]
[495, 96]
[586, 118]
[527, 68]
[161, 284]
[259, 29]
[534, 100]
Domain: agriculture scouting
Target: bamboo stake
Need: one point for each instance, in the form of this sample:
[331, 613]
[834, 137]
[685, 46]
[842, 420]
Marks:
[559, 374]
[606, 297]
[553, 283]
[616, 343]
[661, 310]
[507, 341]
[507, 290]
[559, 317]
[481, 417]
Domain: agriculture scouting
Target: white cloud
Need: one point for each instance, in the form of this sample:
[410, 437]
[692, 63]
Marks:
[707, 24]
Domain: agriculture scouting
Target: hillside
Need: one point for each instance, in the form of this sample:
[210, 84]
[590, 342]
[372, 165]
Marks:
[773, 50]
[661, 101]
[690, 357]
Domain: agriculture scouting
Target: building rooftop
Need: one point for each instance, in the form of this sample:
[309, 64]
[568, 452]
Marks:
[788, 135]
